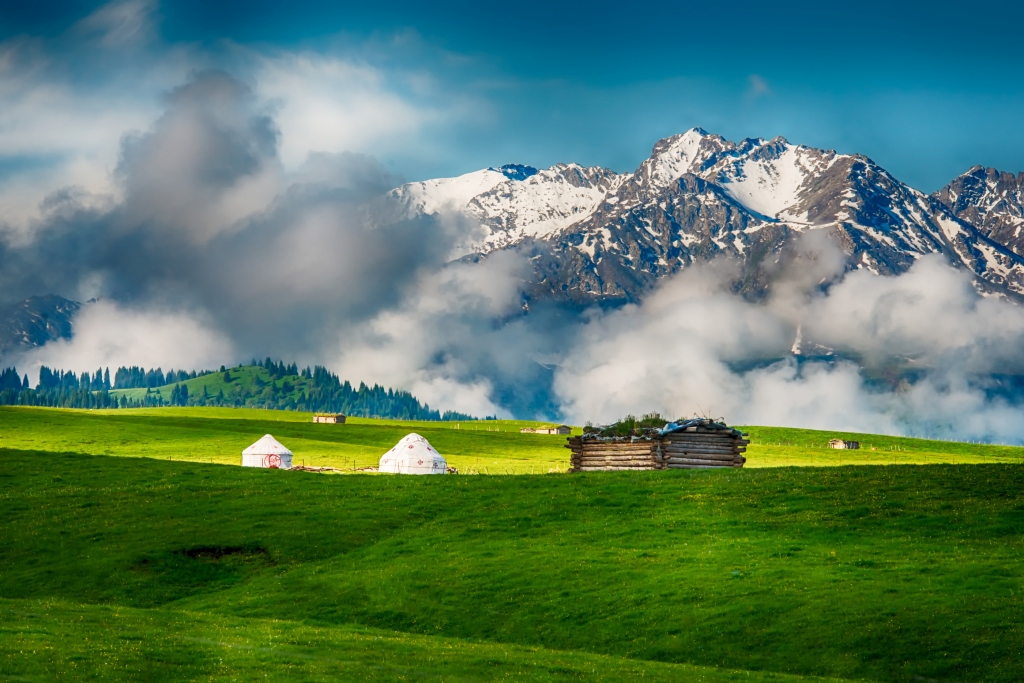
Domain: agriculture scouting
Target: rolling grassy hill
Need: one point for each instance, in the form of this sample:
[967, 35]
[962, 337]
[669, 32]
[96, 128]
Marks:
[269, 385]
[214, 383]
[218, 435]
[117, 568]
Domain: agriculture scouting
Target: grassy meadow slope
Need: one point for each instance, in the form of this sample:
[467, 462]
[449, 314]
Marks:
[785, 446]
[73, 642]
[218, 435]
[178, 571]
[214, 382]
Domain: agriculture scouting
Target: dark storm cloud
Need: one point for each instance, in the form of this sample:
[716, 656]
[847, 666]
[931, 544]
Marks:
[210, 221]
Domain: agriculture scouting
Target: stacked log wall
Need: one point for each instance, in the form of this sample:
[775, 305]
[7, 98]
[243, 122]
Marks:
[703, 448]
[694, 448]
[592, 455]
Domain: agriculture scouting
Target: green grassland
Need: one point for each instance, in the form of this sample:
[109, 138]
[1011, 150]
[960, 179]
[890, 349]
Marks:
[783, 446]
[218, 435]
[74, 642]
[116, 568]
[246, 375]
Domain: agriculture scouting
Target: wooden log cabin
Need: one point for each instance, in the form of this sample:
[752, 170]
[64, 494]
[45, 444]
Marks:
[329, 418]
[690, 444]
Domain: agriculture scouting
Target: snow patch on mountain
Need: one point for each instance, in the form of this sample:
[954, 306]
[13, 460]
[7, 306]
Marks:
[699, 195]
[767, 188]
[447, 194]
[513, 202]
[673, 157]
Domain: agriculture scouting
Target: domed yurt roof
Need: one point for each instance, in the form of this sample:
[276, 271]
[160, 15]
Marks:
[267, 452]
[413, 455]
[267, 445]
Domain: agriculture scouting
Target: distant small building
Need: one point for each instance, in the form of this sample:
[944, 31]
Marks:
[329, 418]
[847, 445]
[560, 429]
[267, 452]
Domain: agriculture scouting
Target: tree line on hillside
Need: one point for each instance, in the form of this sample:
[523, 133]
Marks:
[277, 387]
[140, 378]
[317, 389]
[60, 389]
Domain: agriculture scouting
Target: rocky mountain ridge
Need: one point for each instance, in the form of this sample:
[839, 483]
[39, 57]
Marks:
[990, 200]
[36, 321]
[511, 203]
[595, 235]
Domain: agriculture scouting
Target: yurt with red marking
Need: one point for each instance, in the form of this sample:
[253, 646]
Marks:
[267, 452]
[413, 455]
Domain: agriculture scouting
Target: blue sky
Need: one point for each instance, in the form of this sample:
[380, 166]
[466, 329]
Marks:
[442, 88]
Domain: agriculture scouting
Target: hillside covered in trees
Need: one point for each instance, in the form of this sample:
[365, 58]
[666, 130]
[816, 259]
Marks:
[267, 384]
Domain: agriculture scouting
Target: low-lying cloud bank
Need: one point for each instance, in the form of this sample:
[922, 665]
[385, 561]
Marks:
[108, 335]
[216, 251]
[921, 353]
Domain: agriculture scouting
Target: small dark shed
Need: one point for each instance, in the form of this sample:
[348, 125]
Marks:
[329, 418]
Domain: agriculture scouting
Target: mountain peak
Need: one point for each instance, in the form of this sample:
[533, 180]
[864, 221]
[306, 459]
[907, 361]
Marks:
[699, 195]
[516, 171]
[990, 200]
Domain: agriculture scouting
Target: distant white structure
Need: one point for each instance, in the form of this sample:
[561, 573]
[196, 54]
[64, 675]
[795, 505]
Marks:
[840, 443]
[267, 452]
[413, 455]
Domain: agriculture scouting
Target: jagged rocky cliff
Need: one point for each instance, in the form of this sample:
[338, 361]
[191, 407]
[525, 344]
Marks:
[593, 235]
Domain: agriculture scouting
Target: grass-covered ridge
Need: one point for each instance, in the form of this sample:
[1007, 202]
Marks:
[867, 573]
[70, 641]
[280, 387]
[218, 435]
[268, 384]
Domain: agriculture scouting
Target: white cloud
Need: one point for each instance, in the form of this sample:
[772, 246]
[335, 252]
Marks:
[441, 342]
[331, 104]
[63, 130]
[119, 24]
[693, 347]
[107, 335]
[757, 86]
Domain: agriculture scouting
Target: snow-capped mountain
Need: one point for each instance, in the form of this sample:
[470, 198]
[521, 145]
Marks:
[991, 201]
[512, 202]
[592, 234]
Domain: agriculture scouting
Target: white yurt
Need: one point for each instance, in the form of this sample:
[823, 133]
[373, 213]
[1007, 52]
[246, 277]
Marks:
[267, 452]
[413, 455]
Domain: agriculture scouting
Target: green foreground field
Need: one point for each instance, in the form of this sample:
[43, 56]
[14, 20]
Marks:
[174, 566]
[218, 435]
[79, 642]
[139, 568]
